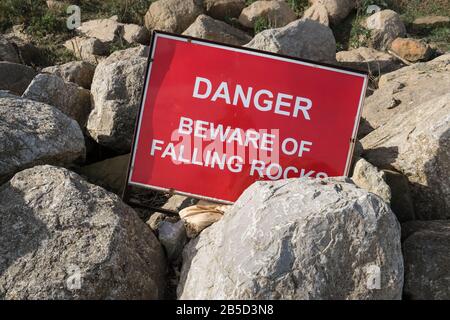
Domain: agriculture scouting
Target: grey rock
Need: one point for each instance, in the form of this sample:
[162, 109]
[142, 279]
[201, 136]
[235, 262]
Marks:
[427, 261]
[56, 226]
[417, 144]
[410, 86]
[385, 26]
[15, 77]
[172, 237]
[7, 94]
[172, 15]
[368, 177]
[207, 28]
[33, 133]
[305, 39]
[116, 94]
[297, 239]
[79, 72]
[68, 97]
[105, 30]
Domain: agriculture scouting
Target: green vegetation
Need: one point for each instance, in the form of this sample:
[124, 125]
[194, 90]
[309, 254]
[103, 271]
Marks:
[128, 11]
[299, 6]
[261, 24]
[412, 9]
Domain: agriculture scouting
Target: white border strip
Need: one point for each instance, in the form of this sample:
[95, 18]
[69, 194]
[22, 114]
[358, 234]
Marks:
[144, 99]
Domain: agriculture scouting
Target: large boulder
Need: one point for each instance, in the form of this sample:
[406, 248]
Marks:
[368, 59]
[302, 38]
[298, 239]
[63, 238]
[385, 26]
[7, 51]
[116, 94]
[79, 72]
[275, 13]
[172, 15]
[416, 143]
[15, 77]
[337, 10]
[68, 97]
[208, 28]
[33, 133]
[224, 9]
[402, 90]
[105, 30]
[426, 248]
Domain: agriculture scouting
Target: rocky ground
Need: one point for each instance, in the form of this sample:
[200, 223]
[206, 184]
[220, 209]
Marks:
[68, 101]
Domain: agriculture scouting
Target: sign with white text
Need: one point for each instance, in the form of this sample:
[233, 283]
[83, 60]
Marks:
[215, 118]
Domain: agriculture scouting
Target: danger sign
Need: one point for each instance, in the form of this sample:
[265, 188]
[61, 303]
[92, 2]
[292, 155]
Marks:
[215, 118]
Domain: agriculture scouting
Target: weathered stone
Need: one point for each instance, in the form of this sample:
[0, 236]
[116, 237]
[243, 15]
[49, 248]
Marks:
[111, 173]
[79, 72]
[427, 261]
[15, 77]
[56, 226]
[368, 59]
[172, 15]
[133, 33]
[200, 216]
[224, 9]
[116, 94]
[337, 10]
[207, 28]
[305, 39]
[386, 26]
[401, 200]
[172, 237]
[368, 177]
[33, 133]
[68, 97]
[88, 49]
[275, 13]
[416, 143]
[177, 202]
[105, 30]
[402, 90]
[411, 49]
[297, 239]
[7, 51]
[317, 12]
